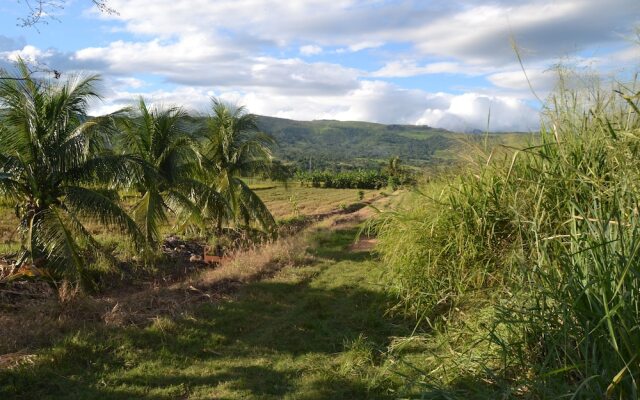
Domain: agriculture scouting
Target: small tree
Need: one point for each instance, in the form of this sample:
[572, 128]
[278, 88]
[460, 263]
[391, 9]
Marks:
[159, 137]
[234, 148]
[55, 164]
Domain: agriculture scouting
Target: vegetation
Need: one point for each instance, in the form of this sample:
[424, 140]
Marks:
[518, 277]
[541, 246]
[158, 137]
[59, 167]
[234, 148]
[56, 168]
[353, 179]
[312, 328]
[339, 146]
[343, 180]
[286, 201]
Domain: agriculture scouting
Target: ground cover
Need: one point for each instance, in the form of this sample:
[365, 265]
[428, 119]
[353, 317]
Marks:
[313, 327]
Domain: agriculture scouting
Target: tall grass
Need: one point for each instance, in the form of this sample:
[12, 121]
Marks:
[552, 232]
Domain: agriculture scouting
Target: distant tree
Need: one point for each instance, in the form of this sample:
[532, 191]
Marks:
[56, 166]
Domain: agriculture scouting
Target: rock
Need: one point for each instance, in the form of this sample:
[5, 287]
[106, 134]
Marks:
[195, 258]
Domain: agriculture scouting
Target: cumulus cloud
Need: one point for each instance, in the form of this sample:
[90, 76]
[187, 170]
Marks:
[257, 52]
[195, 100]
[310, 50]
[28, 53]
[471, 111]
[374, 101]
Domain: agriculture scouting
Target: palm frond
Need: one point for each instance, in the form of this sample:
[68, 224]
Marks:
[149, 212]
[55, 235]
[96, 206]
[252, 207]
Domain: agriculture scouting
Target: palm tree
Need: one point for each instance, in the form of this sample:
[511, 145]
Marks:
[234, 148]
[160, 138]
[55, 163]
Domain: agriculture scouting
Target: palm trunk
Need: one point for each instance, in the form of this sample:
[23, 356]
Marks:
[218, 249]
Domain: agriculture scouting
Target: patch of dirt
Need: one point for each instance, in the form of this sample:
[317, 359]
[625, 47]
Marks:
[364, 244]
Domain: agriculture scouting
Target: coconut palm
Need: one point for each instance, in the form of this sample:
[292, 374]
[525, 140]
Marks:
[234, 148]
[159, 137]
[55, 165]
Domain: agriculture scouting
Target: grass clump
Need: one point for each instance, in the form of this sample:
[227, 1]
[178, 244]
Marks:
[550, 235]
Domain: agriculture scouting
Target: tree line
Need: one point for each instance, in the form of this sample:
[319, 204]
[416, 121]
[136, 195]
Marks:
[392, 176]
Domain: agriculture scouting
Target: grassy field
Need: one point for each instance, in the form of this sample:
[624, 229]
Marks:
[316, 329]
[293, 200]
[284, 202]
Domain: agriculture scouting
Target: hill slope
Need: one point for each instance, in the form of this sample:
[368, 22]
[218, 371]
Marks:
[328, 140]
[323, 144]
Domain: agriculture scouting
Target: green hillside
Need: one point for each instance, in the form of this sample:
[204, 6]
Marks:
[330, 144]
[325, 142]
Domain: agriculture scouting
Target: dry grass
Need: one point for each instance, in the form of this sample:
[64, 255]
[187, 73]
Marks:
[255, 263]
[294, 200]
[32, 320]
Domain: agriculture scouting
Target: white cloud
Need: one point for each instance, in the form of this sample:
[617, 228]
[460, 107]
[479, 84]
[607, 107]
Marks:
[248, 50]
[474, 111]
[463, 30]
[541, 80]
[373, 101]
[310, 50]
[359, 46]
[195, 100]
[408, 68]
[132, 83]
[28, 53]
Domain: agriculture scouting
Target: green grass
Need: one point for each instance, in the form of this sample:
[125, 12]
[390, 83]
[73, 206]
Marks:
[545, 241]
[314, 331]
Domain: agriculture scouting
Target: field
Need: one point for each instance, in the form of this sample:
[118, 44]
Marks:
[284, 202]
[149, 266]
[311, 329]
[294, 200]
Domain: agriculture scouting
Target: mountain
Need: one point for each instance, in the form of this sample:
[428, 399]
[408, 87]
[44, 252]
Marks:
[340, 145]
[327, 141]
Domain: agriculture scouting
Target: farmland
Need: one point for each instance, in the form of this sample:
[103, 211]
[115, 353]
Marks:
[295, 200]
[309, 330]
[158, 253]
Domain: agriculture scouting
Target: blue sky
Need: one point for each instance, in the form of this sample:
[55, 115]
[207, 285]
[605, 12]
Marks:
[439, 63]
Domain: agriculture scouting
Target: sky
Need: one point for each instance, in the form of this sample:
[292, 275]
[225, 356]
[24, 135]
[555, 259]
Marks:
[448, 64]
